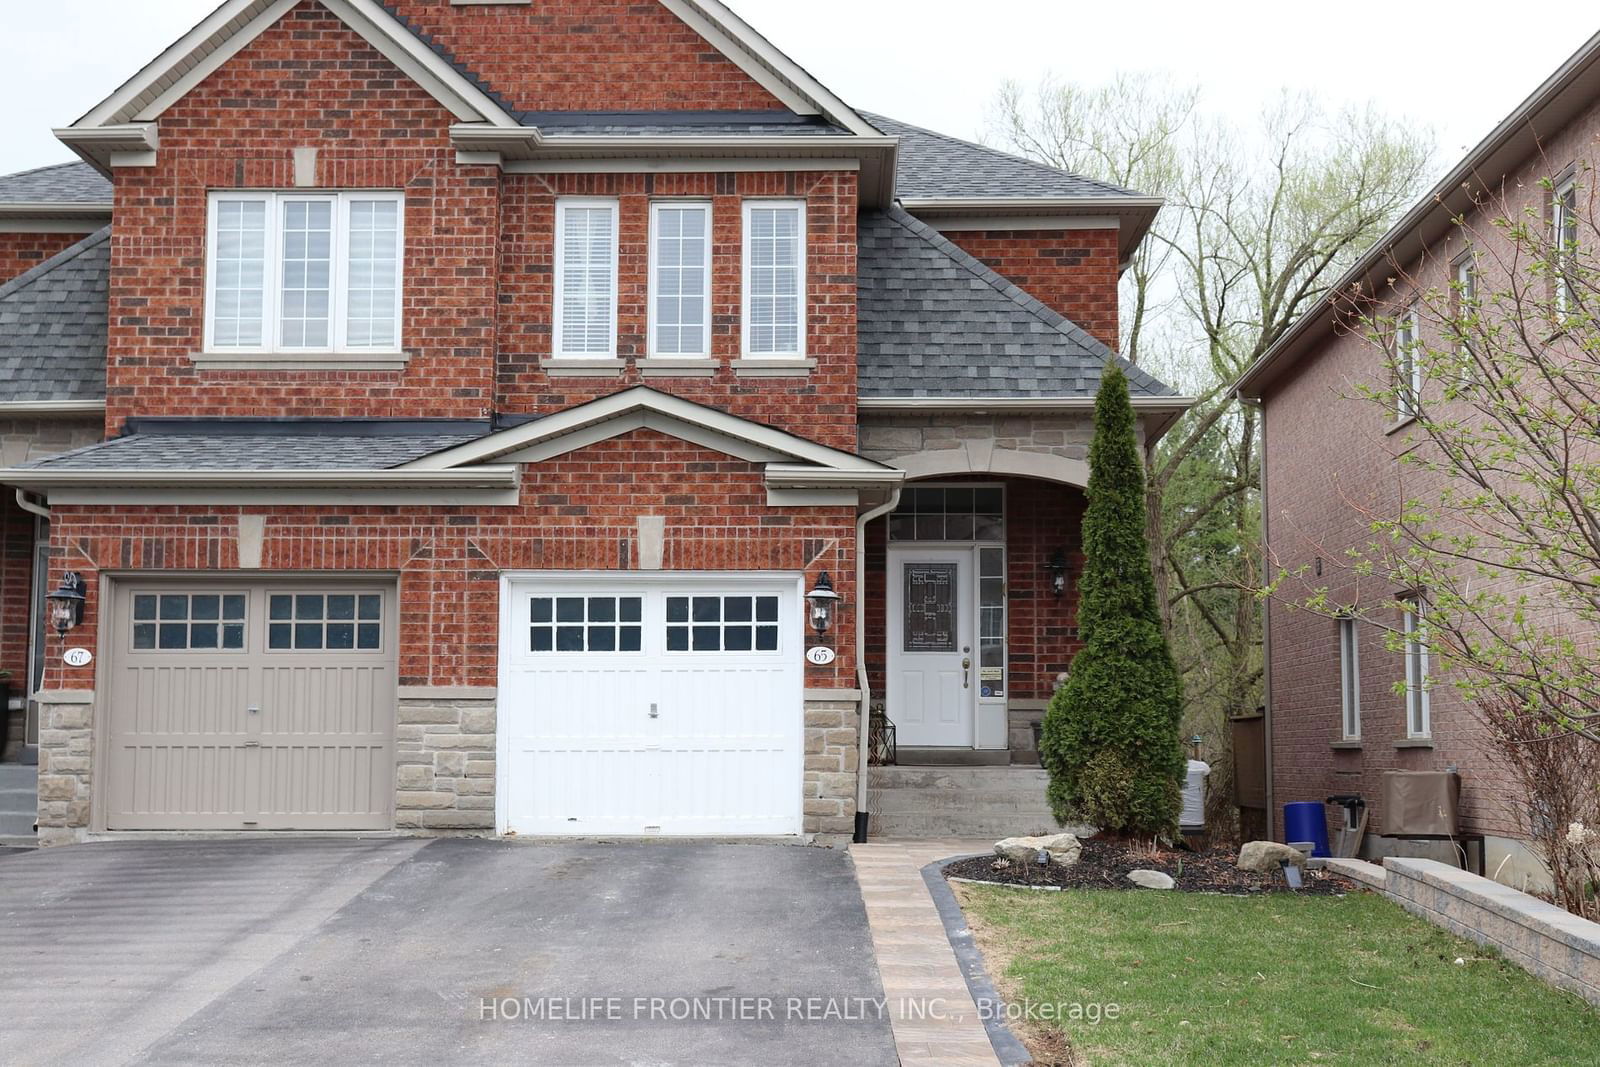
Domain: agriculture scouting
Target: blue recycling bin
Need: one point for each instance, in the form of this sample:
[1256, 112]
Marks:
[1307, 821]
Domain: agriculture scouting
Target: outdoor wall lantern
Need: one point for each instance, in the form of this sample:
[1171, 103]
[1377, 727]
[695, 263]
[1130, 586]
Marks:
[66, 603]
[1058, 573]
[823, 600]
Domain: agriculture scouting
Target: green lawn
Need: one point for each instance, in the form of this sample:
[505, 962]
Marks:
[1222, 981]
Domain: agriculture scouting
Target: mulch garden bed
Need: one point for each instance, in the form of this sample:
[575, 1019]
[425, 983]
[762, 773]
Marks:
[1105, 865]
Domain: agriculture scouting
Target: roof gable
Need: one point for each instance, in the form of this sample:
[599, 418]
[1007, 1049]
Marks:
[124, 121]
[644, 408]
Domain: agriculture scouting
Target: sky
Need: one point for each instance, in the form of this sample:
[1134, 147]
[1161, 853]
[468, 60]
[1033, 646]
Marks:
[1450, 65]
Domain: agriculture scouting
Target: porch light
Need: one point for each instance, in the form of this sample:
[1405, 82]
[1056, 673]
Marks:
[66, 603]
[1058, 573]
[823, 600]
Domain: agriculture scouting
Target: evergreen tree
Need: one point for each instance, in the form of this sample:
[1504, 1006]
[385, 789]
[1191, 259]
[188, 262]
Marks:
[1111, 740]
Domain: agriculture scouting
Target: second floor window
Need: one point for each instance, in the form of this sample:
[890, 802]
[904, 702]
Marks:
[774, 278]
[680, 279]
[1407, 365]
[586, 278]
[1564, 230]
[304, 272]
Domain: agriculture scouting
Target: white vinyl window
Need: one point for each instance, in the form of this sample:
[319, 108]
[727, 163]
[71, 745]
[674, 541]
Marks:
[586, 278]
[1350, 679]
[774, 278]
[1419, 722]
[1408, 368]
[1564, 229]
[680, 279]
[304, 272]
[1466, 302]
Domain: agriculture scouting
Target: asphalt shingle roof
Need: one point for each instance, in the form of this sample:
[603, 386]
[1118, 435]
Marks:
[938, 166]
[255, 452]
[933, 321]
[53, 325]
[75, 183]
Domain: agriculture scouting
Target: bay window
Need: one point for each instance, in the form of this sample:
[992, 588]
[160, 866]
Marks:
[304, 272]
[774, 278]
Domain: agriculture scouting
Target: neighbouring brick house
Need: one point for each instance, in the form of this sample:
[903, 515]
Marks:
[488, 385]
[1342, 708]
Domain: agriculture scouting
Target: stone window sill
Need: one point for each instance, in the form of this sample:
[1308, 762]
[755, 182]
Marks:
[1399, 424]
[572, 366]
[282, 361]
[1347, 746]
[756, 367]
[678, 366]
[1414, 742]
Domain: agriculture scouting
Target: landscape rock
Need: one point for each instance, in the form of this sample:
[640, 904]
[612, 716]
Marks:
[1064, 849]
[1264, 857]
[1151, 879]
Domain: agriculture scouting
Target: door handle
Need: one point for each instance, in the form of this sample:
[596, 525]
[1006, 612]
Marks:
[966, 673]
[655, 711]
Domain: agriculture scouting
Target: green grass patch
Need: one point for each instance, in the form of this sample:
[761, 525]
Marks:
[1202, 979]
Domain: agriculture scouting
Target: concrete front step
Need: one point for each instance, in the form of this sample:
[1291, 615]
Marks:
[17, 823]
[990, 826]
[931, 800]
[9, 841]
[966, 779]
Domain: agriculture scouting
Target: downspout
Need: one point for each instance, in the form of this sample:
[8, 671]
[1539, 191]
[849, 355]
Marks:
[862, 682]
[33, 509]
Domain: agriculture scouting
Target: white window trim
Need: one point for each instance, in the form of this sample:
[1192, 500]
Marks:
[705, 322]
[1349, 680]
[1419, 712]
[801, 281]
[1408, 369]
[558, 305]
[339, 274]
[1558, 226]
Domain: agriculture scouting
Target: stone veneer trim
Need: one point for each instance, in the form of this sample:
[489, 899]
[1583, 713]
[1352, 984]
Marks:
[1544, 940]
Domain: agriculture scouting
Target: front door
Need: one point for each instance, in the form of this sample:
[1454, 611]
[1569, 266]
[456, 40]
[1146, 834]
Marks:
[931, 667]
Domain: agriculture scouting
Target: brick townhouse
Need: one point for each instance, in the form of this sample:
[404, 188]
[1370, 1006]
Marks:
[493, 395]
[1343, 708]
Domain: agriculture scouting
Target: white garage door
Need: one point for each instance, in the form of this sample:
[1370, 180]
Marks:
[250, 706]
[651, 705]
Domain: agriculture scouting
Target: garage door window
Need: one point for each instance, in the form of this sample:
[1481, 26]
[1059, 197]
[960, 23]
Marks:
[722, 624]
[188, 621]
[303, 622]
[586, 624]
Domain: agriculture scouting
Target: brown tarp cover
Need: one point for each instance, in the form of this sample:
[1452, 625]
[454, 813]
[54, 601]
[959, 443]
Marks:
[1421, 804]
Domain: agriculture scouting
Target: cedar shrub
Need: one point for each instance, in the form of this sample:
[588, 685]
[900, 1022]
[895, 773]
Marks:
[1111, 740]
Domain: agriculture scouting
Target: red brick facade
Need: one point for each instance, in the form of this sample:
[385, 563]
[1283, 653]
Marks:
[20, 252]
[820, 405]
[577, 512]
[602, 55]
[477, 327]
[307, 81]
[1074, 272]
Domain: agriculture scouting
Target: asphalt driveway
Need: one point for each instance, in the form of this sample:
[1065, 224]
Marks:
[438, 952]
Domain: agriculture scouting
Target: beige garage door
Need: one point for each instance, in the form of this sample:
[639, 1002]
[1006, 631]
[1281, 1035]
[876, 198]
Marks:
[267, 706]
